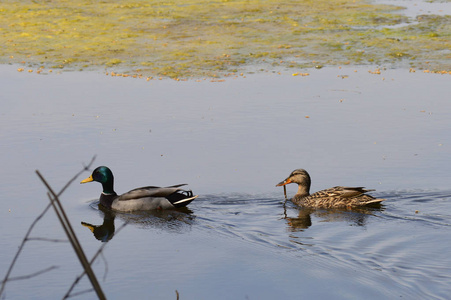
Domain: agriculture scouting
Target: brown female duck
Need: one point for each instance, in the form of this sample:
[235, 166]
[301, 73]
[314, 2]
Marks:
[336, 197]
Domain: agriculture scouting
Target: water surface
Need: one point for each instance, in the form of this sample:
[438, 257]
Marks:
[232, 142]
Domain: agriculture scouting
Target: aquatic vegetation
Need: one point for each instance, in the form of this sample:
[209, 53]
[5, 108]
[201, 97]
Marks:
[215, 38]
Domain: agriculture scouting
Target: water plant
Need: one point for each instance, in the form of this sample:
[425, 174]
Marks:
[213, 38]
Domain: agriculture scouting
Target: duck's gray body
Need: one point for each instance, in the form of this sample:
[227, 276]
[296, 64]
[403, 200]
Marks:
[144, 198]
[148, 198]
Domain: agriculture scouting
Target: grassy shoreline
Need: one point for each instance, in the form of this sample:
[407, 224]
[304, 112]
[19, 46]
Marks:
[214, 38]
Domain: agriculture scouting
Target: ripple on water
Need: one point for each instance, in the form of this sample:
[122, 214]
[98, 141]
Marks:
[404, 243]
[429, 208]
[400, 248]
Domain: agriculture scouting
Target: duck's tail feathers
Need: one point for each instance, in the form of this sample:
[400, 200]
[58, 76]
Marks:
[184, 202]
[375, 201]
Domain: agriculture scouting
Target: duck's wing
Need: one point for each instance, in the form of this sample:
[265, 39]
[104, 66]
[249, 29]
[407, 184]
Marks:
[153, 192]
[345, 191]
[341, 196]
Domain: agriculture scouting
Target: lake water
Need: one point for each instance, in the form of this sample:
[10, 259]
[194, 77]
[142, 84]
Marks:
[232, 142]
[414, 8]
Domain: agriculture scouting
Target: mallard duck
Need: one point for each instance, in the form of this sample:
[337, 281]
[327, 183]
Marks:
[336, 197]
[144, 198]
[104, 232]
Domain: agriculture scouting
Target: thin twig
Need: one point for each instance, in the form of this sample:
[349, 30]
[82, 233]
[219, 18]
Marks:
[11, 266]
[104, 245]
[47, 240]
[106, 265]
[99, 251]
[38, 218]
[85, 168]
[72, 237]
[79, 293]
[32, 274]
[285, 209]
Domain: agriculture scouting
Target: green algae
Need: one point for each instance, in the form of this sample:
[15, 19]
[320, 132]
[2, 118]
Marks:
[197, 38]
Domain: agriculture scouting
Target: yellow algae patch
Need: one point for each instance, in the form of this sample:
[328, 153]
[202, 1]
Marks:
[199, 38]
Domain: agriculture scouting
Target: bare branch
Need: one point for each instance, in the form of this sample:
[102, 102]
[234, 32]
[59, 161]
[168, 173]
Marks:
[47, 240]
[32, 274]
[61, 214]
[99, 251]
[85, 168]
[21, 247]
[78, 293]
[38, 218]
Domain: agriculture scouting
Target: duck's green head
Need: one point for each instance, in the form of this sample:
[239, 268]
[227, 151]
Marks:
[103, 175]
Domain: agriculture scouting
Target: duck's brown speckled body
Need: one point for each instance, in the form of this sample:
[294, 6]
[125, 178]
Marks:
[336, 197]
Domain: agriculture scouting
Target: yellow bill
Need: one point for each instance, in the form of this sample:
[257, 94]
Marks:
[89, 179]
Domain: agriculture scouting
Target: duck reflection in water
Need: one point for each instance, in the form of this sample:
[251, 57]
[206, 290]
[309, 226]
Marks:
[356, 216]
[104, 232]
[178, 220]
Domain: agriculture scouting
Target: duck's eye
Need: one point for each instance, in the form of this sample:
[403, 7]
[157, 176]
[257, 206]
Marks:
[97, 175]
